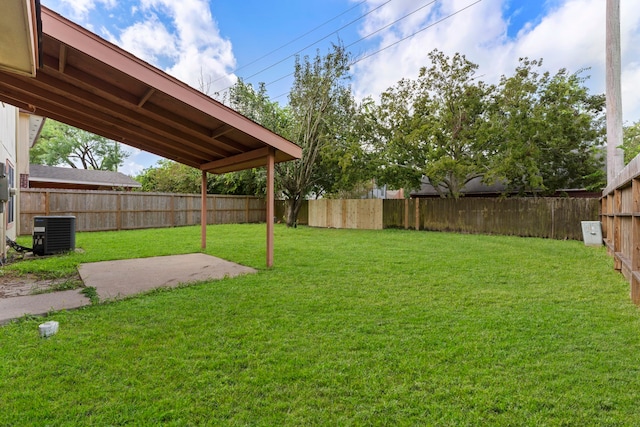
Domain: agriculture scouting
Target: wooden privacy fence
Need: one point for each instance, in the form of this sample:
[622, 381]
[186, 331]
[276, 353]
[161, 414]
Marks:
[337, 213]
[555, 218]
[621, 224]
[114, 210]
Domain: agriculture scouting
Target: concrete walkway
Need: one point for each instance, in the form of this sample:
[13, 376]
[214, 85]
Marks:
[119, 279]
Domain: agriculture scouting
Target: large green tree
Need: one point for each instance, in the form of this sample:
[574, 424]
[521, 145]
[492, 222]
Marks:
[167, 176]
[546, 130]
[534, 132]
[631, 141]
[61, 144]
[322, 107]
[320, 117]
[432, 127]
[255, 104]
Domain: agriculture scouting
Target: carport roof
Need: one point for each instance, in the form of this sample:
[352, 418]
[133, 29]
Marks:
[87, 82]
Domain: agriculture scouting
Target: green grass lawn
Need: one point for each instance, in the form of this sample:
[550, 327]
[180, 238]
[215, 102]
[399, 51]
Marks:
[351, 327]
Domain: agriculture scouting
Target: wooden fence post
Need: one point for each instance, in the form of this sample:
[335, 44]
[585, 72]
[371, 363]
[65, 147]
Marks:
[173, 210]
[417, 218]
[406, 214]
[617, 236]
[553, 218]
[118, 212]
[47, 201]
[213, 209]
[203, 210]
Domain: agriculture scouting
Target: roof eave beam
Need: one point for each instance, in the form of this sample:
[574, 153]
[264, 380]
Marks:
[146, 97]
[220, 131]
[62, 59]
[240, 158]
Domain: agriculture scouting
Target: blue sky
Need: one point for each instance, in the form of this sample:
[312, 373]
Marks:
[210, 43]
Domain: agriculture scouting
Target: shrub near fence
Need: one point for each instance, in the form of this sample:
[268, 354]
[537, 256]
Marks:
[113, 210]
[556, 218]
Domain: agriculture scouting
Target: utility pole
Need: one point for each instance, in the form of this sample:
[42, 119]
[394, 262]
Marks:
[615, 157]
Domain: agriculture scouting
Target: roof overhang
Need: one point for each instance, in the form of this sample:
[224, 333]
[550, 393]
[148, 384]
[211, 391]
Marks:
[19, 29]
[35, 127]
[87, 82]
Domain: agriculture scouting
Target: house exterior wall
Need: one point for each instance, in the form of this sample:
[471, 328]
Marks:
[23, 144]
[8, 144]
[8, 127]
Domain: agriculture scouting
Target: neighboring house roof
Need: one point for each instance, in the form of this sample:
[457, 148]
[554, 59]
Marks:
[476, 188]
[383, 193]
[50, 176]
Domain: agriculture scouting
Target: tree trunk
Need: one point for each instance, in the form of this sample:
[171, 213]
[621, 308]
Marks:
[293, 208]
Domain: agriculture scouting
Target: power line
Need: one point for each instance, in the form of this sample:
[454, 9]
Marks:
[368, 35]
[291, 41]
[390, 45]
[299, 37]
[392, 23]
[314, 43]
[413, 34]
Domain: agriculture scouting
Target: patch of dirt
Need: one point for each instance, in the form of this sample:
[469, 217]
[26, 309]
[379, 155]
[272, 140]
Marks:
[15, 285]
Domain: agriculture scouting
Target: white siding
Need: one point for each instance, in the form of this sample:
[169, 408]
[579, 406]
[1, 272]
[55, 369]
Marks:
[8, 135]
[8, 123]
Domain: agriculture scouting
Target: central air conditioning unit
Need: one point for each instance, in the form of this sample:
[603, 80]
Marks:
[53, 234]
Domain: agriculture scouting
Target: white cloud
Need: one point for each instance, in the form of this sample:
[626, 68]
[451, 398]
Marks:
[631, 93]
[473, 33]
[131, 168]
[571, 36]
[180, 37]
[201, 54]
[79, 9]
[137, 161]
[149, 40]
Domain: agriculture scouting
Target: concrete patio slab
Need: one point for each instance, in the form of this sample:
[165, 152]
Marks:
[119, 279]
